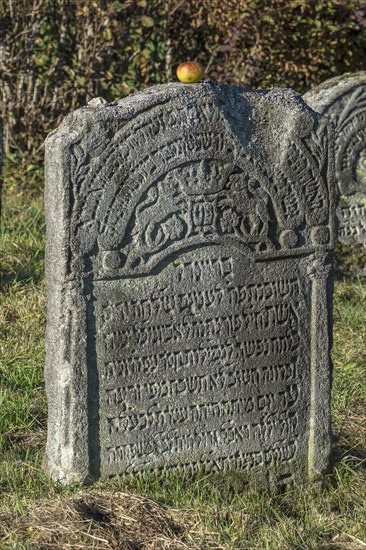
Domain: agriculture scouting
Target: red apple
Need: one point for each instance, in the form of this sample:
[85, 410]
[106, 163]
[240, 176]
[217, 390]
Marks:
[190, 72]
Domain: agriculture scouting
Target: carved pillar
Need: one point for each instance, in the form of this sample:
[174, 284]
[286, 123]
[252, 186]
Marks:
[320, 373]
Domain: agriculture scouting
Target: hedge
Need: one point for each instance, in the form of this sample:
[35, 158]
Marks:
[55, 55]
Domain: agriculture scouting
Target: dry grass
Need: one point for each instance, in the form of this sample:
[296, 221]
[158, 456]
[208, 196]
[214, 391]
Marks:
[27, 438]
[104, 520]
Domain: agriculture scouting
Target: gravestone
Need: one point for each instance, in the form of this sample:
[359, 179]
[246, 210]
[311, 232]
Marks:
[188, 265]
[343, 99]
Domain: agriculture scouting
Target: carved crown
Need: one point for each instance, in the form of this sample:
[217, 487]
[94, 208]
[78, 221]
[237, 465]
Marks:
[203, 177]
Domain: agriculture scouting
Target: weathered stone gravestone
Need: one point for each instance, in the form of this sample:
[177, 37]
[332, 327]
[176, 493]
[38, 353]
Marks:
[189, 241]
[343, 99]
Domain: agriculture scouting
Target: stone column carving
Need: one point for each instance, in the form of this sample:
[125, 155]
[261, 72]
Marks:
[320, 381]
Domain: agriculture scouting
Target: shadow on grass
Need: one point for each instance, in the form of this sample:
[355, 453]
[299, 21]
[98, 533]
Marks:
[24, 277]
[354, 455]
[346, 277]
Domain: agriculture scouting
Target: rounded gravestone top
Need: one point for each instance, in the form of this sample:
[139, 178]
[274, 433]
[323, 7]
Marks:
[343, 99]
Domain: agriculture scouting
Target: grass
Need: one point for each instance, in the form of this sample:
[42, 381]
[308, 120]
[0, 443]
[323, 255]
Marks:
[179, 512]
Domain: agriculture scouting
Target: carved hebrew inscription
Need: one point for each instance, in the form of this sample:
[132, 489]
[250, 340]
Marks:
[211, 374]
[352, 218]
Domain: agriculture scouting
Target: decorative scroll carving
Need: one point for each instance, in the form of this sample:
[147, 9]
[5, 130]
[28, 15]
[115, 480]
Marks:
[203, 187]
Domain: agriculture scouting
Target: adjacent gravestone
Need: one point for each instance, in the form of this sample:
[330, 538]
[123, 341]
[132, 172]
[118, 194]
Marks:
[343, 99]
[189, 241]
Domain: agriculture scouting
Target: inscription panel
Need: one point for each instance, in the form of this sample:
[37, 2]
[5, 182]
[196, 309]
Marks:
[204, 363]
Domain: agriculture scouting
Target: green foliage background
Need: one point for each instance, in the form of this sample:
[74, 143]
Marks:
[57, 54]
